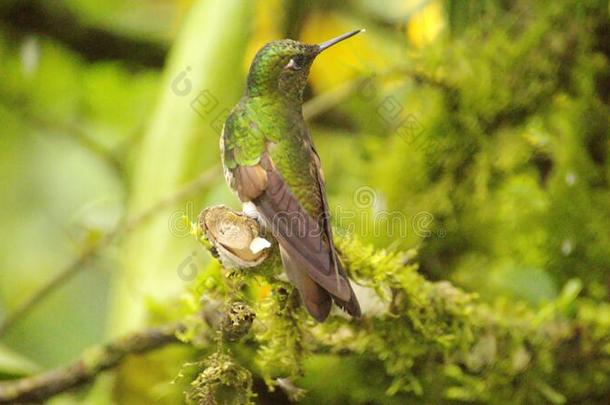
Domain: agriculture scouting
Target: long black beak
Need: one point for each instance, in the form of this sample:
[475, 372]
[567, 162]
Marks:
[331, 42]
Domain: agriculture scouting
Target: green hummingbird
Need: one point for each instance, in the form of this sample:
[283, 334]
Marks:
[271, 163]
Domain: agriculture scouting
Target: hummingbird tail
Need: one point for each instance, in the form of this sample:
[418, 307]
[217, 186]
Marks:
[350, 306]
[317, 300]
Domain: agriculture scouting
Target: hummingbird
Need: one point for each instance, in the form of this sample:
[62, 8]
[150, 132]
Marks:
[270, 161]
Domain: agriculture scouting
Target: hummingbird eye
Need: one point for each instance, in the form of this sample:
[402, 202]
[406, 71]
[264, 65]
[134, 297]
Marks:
[296, 63]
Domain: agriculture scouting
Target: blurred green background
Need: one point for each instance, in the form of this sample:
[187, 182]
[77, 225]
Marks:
[482, 125]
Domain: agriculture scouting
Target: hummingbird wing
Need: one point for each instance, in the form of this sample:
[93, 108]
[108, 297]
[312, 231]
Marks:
[315, 298]
[299, 235]
[351, 305]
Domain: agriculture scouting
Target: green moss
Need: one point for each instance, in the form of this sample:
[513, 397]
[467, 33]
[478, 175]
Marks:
[430, 340]
[281, 343]
[222, 381]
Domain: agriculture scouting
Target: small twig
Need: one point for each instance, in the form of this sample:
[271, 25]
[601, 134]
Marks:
[330, 99]
[76, 134]
[186, 190]
[91, 250]
[41, 387]
[70, 130]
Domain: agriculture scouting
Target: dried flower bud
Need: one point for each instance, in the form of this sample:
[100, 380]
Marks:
[234, 237]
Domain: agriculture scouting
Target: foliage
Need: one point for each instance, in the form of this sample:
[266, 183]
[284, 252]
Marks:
[437, 343]
[465, 150]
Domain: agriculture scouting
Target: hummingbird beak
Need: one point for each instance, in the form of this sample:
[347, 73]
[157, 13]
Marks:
[331, 42]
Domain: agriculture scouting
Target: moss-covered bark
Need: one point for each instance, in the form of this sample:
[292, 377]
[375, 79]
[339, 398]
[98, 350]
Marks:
[430, 340]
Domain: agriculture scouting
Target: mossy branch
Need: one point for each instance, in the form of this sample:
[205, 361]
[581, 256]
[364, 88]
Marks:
[433, 339]
[41, 387]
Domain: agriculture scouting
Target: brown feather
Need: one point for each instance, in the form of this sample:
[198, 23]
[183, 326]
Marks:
[350, 305]
[250, 182]
[299, 235]
[308, 254]
[316, 300]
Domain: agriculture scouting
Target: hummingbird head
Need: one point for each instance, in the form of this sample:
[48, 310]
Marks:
[280, 68]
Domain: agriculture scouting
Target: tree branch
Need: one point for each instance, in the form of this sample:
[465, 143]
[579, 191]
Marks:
[328, 100]
[85, 370]
[431, 338]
